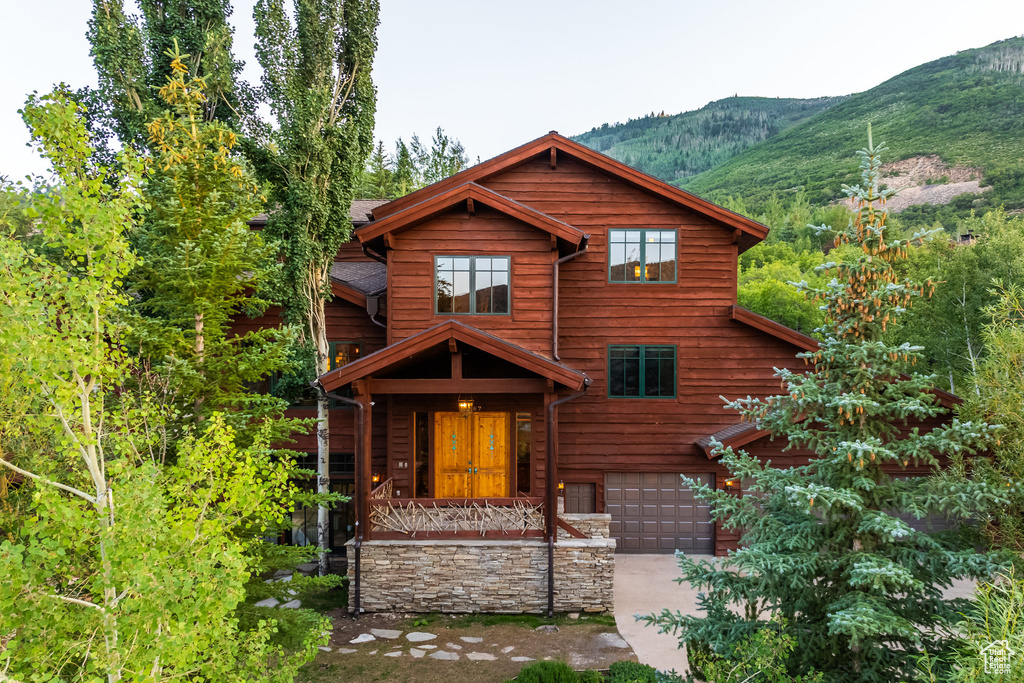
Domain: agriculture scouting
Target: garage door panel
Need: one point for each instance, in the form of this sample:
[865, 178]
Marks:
[662, 514]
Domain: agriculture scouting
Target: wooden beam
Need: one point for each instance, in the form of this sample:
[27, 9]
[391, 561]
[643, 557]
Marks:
[570, 529]
[554, 157]
[453, 345]
[389, 240]
[456, 366]
[456, 386]
[469, 207]
[736, 235]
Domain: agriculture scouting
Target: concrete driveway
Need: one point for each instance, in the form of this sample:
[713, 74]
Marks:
[644, 584]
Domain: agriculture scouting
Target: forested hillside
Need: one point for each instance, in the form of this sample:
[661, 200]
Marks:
[683, 145]
[965, 108]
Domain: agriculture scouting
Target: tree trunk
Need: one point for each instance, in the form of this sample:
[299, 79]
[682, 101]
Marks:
[323, 438]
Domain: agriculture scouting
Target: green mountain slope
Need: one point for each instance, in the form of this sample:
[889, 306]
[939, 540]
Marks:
[683, 145]
[967, 108]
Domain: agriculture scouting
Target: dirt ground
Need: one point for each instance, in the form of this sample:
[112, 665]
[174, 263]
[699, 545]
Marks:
[578, 642]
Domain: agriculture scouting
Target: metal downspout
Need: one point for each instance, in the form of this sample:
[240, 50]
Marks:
[554, 295]
[551, 503]
[358, 542]
[375, 308]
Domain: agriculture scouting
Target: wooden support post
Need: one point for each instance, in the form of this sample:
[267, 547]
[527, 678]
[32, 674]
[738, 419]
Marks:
[554, 158]
[549, 463]
[470, 206]
[365, 461]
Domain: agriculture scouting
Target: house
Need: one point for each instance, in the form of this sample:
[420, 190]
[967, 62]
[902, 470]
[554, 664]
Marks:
[527, 355]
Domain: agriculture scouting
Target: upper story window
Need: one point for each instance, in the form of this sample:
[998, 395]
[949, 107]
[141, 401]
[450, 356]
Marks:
[645, 255]
[641, 371]
[472, 284]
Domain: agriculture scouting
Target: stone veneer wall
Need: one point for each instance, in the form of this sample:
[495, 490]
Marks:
[592, 526]
[488, 575]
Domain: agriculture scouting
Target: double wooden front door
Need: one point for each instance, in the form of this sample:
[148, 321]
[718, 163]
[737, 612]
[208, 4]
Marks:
[471, 456]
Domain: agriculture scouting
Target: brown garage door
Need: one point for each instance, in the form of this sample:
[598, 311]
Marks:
[656, 513]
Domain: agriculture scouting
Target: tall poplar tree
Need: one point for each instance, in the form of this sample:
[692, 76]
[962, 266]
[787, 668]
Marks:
[317, 63]
[860, 589]
[129, 54]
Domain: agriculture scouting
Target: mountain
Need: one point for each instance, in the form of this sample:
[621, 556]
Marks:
[682, 145]
[966, 109]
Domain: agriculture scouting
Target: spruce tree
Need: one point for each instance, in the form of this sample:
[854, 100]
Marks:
[404, 178]
[317, 65]
[378, 178]
[201, 268]
[860, 590]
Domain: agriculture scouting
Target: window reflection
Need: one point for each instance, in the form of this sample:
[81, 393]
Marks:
[472, 284]
[642, 255]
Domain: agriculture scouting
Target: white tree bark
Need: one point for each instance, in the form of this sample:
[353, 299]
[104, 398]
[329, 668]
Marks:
[318, 331]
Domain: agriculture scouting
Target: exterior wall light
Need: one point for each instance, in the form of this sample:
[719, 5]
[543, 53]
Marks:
[376, 478]
[465, 406]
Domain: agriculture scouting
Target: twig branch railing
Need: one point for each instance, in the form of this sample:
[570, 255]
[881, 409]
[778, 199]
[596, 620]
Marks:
[422, 518]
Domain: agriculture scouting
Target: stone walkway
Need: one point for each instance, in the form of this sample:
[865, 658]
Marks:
[420, 644]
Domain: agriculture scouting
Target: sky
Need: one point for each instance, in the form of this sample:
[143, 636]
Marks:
[498, 73]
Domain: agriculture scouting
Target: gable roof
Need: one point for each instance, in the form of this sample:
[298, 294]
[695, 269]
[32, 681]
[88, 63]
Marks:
[737, 436]
[778, 330]
[437, 204]
[442, 333]
[751, 232]
[360, 212]
[805, 343]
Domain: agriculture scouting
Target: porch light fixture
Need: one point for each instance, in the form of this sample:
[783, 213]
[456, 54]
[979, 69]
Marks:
[465, 406]
[561, 485]
[376, 479]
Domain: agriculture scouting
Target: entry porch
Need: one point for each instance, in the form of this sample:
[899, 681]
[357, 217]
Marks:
[471, 468]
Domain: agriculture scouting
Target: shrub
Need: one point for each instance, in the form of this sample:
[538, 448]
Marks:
[632, 672]
[547, 672]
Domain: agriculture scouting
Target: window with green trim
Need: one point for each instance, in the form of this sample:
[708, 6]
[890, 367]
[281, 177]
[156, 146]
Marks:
[472, 285]
[642, 255]
[641, 371]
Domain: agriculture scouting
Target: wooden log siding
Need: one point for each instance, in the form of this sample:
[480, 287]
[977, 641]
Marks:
[715, 356]
[411, 306]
